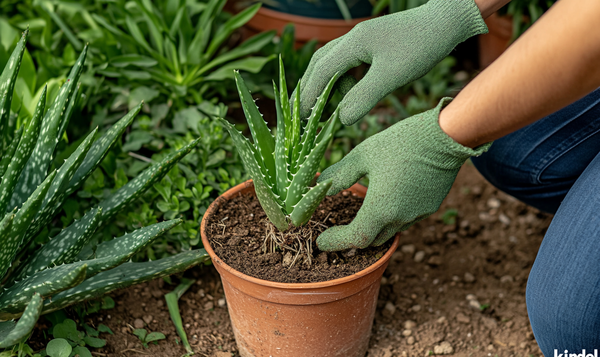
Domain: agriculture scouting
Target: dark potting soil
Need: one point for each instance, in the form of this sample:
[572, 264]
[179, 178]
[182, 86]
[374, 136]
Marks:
[237, 231]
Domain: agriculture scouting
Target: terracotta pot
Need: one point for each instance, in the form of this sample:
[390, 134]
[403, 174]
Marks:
[494, 43]
[307, 28]
[325, 319]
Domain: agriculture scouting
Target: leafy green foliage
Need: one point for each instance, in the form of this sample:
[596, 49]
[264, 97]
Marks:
[69, 340]
[33, 283]
[283, 167]
[146, 337]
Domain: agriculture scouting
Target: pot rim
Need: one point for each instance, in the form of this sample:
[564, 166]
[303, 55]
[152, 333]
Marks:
[310, 21]
[290, 286]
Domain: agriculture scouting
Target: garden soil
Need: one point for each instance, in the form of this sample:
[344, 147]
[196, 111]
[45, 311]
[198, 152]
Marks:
[452, 288]
[237, 232]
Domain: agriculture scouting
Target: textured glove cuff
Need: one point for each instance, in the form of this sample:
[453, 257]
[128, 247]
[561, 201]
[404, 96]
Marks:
[459, 19]
[445, 150]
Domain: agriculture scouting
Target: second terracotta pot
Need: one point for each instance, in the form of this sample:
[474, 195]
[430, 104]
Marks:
[325, 319]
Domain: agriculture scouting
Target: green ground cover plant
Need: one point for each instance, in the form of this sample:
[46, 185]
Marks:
[70, 268]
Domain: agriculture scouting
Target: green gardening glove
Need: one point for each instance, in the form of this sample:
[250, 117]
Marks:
[400, 47]
[411, 167]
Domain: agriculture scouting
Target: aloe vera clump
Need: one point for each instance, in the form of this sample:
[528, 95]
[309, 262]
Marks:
[67, 269]
[283, 166]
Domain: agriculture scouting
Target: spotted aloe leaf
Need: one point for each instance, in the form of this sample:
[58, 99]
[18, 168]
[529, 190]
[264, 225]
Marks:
[8, 78]
[63, 248]
[263, 139]
[284, 106]
[10, 151]
[134, 188]
[281, 151]
[47, 283]
[11, 242]
[41, 157]
[309, 203]
[12, 333]
[57, 192]
[264, 191]
[21, 154]
[125, 275]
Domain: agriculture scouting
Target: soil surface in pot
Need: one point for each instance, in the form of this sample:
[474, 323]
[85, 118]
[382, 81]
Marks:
[237, 232]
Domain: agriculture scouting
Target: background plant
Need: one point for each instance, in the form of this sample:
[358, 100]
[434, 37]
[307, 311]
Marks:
[70, 268]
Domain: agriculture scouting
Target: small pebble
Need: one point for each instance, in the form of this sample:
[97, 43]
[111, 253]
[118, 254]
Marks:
[410, 340]
[209, 305]
[441, 320]
[504, 219]
[490, 347]
[475, 304]
[444, 348]
[406, 333]
[471, 297]
[409, 324]
[416, 308]
[469, 278]
[148, 318]
[435, 260]
[419, 256]
[507, 279]
[493, 203]
[138, 323]
[221, 302]
[455, 278]
[408, 249]
[460, 317]
[389, 307]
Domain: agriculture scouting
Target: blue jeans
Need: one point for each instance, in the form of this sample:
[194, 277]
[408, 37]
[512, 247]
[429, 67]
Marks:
[554, 165]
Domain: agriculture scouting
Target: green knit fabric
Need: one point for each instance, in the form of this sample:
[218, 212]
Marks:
[400, 47]
[411, 167]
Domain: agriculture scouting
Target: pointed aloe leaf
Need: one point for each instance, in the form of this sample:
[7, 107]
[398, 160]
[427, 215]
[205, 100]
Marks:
[281, 167]
[47, 283]
[11, 242]
[8, 78]
[134, 188]
[57, 192]
[305, 208]
[125, 275]
[100, 148]
[71, 101]
[263, 139]
[264, 191]
[63, 248]
[40, 159]
[285, 106]
[308, 169]
[308, 137]
[296, 124]
[119, 250]
[21, 155]
[6, 225]
[19, 331]
[10, 152]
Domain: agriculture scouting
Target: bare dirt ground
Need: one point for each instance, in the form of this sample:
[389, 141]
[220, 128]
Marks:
[454, 289]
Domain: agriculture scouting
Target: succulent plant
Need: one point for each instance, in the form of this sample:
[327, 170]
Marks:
[283, 167]
[67, 269]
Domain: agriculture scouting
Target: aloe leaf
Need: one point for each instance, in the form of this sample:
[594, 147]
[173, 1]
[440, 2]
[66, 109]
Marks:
[6, 225]
[16, 333]
[47, 283]
[125, 275]
[231, 25]
[11, 242]
[63, 248]
[281, 167]
[308, 169]
[10, 152]
[21, 155]
[285, 107]
[263, 139]
[8, 78]
[134, 188]
[99, 149]
[296, 124]
[72, 100]
[172, 299]
[212, 8]
[308, 137]
[305, 208]
[264, 192]
[121, 249]
[57, 194]
[40, 159]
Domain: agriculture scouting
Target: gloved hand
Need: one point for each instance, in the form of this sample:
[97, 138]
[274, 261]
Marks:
[411, 167]
[400, 47]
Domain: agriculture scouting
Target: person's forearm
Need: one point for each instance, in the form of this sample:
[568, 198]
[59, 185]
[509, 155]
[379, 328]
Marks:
[488, 7]
[556, 62]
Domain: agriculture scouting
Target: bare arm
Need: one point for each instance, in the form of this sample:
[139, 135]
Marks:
[488, 7]
[556, 62]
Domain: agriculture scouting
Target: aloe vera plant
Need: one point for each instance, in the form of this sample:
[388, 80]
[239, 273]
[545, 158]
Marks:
[67, 269]
[283, 166]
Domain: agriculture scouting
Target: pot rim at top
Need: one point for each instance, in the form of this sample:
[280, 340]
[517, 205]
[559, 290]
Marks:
[357, 188]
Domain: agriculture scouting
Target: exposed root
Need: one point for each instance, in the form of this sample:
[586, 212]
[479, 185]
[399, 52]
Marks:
[296, 244]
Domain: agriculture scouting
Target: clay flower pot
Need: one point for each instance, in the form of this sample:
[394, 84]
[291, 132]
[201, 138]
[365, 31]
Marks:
[307, 28]
[494, 43]
[325, 319]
